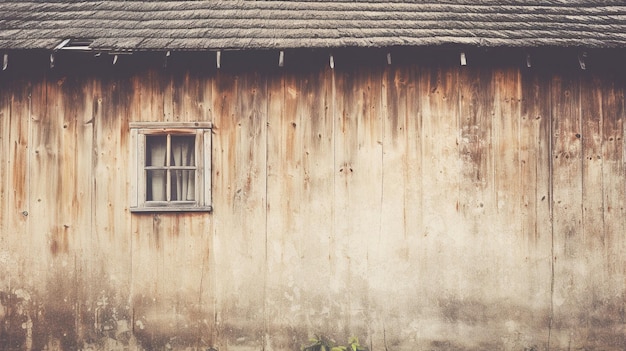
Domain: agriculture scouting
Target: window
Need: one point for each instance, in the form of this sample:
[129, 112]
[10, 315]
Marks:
[171, 165]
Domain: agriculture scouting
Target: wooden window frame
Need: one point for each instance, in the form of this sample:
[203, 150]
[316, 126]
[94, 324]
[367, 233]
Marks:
[202, 133]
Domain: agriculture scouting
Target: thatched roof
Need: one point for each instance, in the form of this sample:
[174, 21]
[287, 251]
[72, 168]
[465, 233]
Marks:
[245, 24]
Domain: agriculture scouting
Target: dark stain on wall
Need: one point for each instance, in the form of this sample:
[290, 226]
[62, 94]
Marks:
[13, 317]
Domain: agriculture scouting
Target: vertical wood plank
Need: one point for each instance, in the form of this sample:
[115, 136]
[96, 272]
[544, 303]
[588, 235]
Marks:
[188, 94]
[65, 98]
[506, 222]
[53, 249]
[5, 122]
[567, 201]
[477, 191]
[170, 96]
[477, 110]
[147, 231]
[223, 151]
[133, 169]
[410, 133]
[279, 199]
[15, 175]
[300, 132]
[193, 241]
[357, 192]
[317, 134]
[77, 99]
[506, 156]
[535, 174]
[240, 200]
[477, 185]
[110, 271]
[205, 177]
[150, 90]
[613, 158]
[592, 233]
[399, 230]
[438, 113]
[209, 272]
[43, 195]
[17, 151]
[396, 188]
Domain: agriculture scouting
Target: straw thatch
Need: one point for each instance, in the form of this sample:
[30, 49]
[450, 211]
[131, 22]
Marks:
[243, 24]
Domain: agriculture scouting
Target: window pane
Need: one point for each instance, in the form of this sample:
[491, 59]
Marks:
[156, 146]
[183, 185]
[183, 150]
[155, 185]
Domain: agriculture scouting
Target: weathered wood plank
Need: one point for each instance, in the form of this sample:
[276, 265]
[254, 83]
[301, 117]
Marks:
[506, 146]
[477, 184]
[74, 98]
[569, 265]
[400, 219]
[513, 138]
[5, 144]
[477, 110]
[612, 151]
[592, 229]
[66, 98]
[15, 174]
[111, 161]
[357, 192]
[317, 133]
[223, 151]
[477, 199]
[439, 125]
[505, 151]
[536, 196]
[45, 230]
[399, 136]
[240, 201]
[300, 130]
[148, 239]
[410, 132]
[150, 89]
[281, 198]
[101, 121]
[188, 94]
[49, 235]
[208, 272]
[17, 117]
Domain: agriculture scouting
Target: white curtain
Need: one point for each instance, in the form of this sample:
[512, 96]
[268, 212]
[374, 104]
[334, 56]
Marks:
[183, 181]
[156, 150]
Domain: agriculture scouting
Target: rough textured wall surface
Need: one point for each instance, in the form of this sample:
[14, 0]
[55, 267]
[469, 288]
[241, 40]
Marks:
[418, 206]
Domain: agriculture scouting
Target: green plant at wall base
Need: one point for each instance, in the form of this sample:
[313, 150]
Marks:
[321, 343]
[353, 345]
[318, 343]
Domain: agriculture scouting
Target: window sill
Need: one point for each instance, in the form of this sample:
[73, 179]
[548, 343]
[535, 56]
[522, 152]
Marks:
[171, 209]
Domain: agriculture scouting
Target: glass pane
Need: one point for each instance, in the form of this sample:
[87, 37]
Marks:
[156, 146]
[155, 185]
[183, 185]
[183, 150]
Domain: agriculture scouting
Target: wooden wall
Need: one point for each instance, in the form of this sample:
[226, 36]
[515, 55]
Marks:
[418, 205]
